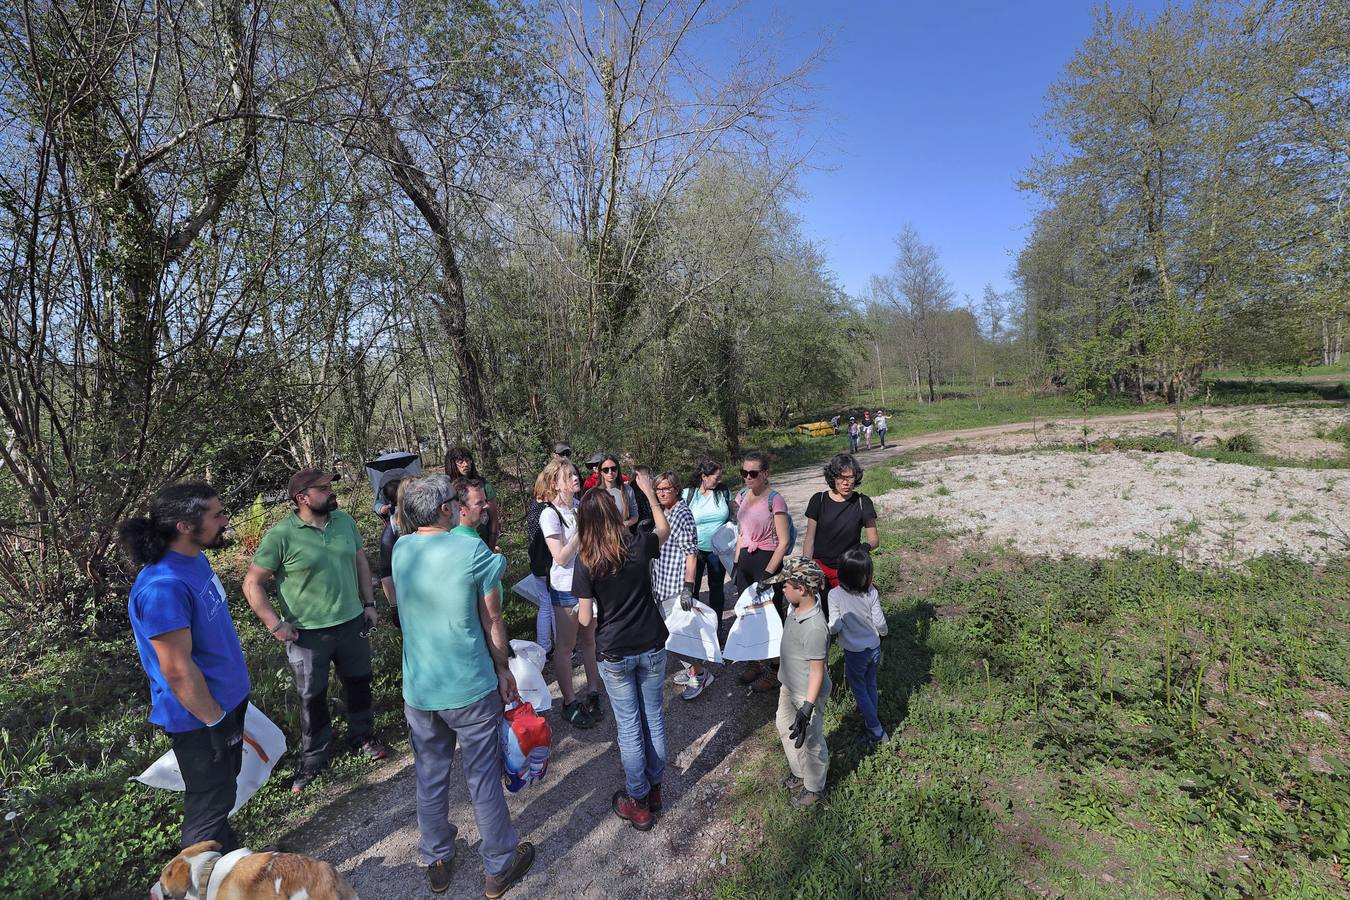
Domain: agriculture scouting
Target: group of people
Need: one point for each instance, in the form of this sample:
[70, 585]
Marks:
[613, 555]
[861, 431]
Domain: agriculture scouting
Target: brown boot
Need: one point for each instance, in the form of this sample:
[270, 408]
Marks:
[751, 672]
[496, 885]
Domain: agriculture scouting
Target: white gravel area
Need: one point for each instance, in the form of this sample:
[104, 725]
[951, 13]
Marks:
[1062, 504]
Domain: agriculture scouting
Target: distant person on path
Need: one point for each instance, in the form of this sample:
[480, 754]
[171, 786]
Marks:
[855, 616]
[615, 588]
[323, 579]
[761, 542]
[834, 424]
[838, 518]
[559, 524]
[459, 464]
[674, 572]
[882, 424]
[806, 680]
[456, 678]
[190, 652]
[867, 425]
[613, 483]
[710, 503]
[854, 432]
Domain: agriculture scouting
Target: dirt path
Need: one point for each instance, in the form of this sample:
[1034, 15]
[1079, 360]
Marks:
[583, 850]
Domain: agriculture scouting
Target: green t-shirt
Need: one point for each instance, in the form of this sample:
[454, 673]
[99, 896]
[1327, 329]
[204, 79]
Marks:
[439, 579]
[315, 569]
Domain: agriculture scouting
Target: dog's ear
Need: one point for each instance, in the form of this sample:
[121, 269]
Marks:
[176, 878]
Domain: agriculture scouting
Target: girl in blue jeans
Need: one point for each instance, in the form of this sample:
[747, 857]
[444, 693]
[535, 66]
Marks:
[613, 581]
[855, 616]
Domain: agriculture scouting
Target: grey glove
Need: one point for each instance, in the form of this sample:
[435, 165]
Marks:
[687, 597]
[797, 733]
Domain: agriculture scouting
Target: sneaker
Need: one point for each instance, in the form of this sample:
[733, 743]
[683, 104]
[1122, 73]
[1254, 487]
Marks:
[697, 686]
[682, 677]
[805, 798]
[303, 778]
[373, 748]
[793, 783]
[654, 799]
[496, 885]
[636, 812]
[438, 873]
[751, 673]
[766, 682]
[577, 716]
[593, 706]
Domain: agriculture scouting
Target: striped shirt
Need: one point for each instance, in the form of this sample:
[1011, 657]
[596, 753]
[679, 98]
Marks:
[668, 569]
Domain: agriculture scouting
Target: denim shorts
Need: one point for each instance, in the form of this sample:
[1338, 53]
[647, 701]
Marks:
[561, 598]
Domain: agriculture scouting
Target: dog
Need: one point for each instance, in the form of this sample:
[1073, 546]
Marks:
[202, 872]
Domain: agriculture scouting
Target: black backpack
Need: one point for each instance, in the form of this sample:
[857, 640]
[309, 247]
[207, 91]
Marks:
[541, 558]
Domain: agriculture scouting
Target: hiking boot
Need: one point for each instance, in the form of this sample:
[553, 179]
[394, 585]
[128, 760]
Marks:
[303, 779]
[575, 714]
[373, 748]
[751, 673]
[496, 885]
[793, 783]
[654, 799]
[766, 682]
[597, 712]
[438, 873]
[697, 685]
[636, 812]
[805, 798]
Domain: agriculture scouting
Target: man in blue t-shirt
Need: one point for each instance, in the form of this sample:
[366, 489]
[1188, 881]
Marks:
[199, 684]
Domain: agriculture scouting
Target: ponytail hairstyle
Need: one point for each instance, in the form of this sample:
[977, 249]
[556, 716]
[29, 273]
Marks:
[855, 570]
[145, 539]
[601, 534]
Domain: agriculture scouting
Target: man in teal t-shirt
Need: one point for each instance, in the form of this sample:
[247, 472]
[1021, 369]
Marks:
[455, 674]
[327, 608]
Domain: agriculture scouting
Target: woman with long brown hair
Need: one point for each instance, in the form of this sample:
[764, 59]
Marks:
[613, 586]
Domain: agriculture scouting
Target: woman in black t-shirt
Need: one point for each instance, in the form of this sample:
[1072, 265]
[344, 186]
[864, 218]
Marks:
[836, 518]
[612, 582]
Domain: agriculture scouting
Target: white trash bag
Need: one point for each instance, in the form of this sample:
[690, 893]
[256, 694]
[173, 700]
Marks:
[693, 633]
[528, 668]
[532, 588]
[724, 544]
[263, 746]
[758, 628]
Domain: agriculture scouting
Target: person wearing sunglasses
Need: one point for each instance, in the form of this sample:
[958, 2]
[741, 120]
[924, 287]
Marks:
[613, 483]
[761, 541]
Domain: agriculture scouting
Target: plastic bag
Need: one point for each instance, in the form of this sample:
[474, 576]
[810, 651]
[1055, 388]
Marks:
[528, 668]
[693, 633]
[724, 545]
[263, 746]
[527, 745]
[758, 628]
[533, 589]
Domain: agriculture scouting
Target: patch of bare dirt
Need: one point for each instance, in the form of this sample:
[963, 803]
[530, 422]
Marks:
[1074, 504]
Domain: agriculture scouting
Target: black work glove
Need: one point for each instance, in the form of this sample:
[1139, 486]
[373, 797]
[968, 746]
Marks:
[797, 733]
[687, 597]
[393, 617]
[225, 735]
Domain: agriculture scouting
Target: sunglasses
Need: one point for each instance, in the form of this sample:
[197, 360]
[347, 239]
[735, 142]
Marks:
[566, 453]
[751, 473]
[608, 469]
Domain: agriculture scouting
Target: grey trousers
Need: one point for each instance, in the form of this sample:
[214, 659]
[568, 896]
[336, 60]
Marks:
[476, 728]
[810, 762]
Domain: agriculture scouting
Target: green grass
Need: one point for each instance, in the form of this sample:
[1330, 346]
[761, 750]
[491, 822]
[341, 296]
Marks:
[1084, 729]
[1342, 368]
[1221, 454]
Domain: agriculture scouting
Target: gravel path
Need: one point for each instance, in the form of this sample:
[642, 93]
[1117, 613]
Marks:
[583, 850]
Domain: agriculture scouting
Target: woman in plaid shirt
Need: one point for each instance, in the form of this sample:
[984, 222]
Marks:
[673, 573]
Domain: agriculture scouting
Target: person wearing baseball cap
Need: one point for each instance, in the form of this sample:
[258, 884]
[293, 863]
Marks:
[805, 678]
[327, 609]
[593, 465]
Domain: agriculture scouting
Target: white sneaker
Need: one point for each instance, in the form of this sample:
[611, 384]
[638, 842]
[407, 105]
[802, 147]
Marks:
[697, 685]
[682, 677]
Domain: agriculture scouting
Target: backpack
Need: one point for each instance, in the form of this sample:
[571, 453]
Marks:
[792, 527]
[541, 558]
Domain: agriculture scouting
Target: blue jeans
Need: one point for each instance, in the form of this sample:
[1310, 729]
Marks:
[860, 670]
[634, 687]
[853, 442]
[881, 433]
[561, 598]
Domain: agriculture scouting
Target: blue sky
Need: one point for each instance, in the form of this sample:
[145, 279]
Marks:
[925, 113]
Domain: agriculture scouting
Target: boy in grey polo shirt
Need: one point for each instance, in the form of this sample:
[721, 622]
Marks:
[805, 679]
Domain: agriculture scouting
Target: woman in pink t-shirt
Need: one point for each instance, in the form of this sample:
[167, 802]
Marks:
[761, 541]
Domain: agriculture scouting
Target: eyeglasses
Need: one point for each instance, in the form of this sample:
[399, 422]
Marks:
[751, 473]
[848, 477]
[609, 469]
[664, 490]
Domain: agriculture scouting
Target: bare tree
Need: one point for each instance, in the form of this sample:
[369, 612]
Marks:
[918, 289]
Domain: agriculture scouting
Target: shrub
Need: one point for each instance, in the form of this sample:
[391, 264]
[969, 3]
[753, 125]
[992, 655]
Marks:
[1242, 442]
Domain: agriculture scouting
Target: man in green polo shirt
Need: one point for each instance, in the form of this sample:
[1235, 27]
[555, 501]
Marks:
[326, 610]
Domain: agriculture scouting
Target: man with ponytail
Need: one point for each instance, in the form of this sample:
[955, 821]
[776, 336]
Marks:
[190, 652]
